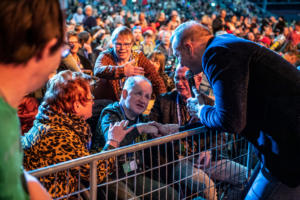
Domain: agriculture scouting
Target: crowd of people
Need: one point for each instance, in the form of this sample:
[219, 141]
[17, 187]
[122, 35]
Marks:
[120, 82]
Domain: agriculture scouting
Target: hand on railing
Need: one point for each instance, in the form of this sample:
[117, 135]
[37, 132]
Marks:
[166, 129]
[148, 128]
[117, 132]
[203, 160]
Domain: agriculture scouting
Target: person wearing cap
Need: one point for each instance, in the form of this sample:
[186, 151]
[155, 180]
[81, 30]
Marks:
[137, 38]
[147, 46]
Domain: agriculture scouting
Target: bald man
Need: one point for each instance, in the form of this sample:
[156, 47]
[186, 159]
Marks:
[256, 95]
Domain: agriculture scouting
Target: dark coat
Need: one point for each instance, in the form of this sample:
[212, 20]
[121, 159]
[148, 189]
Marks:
[111, 114]
[257, 94]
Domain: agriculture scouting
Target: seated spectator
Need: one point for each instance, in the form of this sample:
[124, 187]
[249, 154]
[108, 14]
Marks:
[174, 20]
[78, 16]
[134, 100]
[137, 38]
[79, 28]
[164, 45]
[161, 20]
[120, 62]
[292, 57]
[89, 21]
[60, 133]
[74, 45]
[86, 50]
[218, 27]
[165, 109]
[147, 46]
[295, 36]
[158, 59]
[142, 20]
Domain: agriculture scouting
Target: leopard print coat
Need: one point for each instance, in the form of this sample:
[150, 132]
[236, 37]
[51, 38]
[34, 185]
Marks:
[57, 137]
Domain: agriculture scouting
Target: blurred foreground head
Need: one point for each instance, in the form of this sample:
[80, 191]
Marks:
[26, 26]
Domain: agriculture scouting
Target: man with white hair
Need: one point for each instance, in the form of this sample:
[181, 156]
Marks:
[256, 94]
[135, 97]
[89, 21]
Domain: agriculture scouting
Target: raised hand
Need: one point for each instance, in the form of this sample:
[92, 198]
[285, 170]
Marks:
[130, 69]
[117, 132]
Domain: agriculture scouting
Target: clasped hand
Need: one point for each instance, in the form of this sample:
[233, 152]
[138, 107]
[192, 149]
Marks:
[156, 129]
[195, 104]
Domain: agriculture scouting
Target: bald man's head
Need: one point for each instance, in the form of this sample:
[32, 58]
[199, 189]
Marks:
[189, 31]
[189, 42]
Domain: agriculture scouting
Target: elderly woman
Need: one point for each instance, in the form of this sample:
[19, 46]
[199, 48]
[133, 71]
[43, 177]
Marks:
[60, 133]
[115, 65]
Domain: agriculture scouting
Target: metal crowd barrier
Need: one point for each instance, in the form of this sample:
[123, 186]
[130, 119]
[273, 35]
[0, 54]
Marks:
[165, 168]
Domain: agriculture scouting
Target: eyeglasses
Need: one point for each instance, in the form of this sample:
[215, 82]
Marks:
[126, 45]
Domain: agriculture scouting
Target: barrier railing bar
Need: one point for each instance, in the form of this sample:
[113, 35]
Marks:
[93, 180]
[115, 152]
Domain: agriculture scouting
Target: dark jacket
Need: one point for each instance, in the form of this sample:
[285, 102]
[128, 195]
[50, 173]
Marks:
[257, 94]
[165, 109]
[111, 114]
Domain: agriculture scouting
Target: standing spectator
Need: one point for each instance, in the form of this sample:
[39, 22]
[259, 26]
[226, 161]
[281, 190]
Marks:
[158, 60]
[78, 16]
[74, 45]
[115, 65]
[142, 20]
[161, 20]
[86, 50]
[31, 38]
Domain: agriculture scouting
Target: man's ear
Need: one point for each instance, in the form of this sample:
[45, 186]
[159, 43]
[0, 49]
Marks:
[189, 48]
[124, 94]
[46, 50]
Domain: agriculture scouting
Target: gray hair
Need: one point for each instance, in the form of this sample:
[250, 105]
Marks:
[133, 80]
[190, 30]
